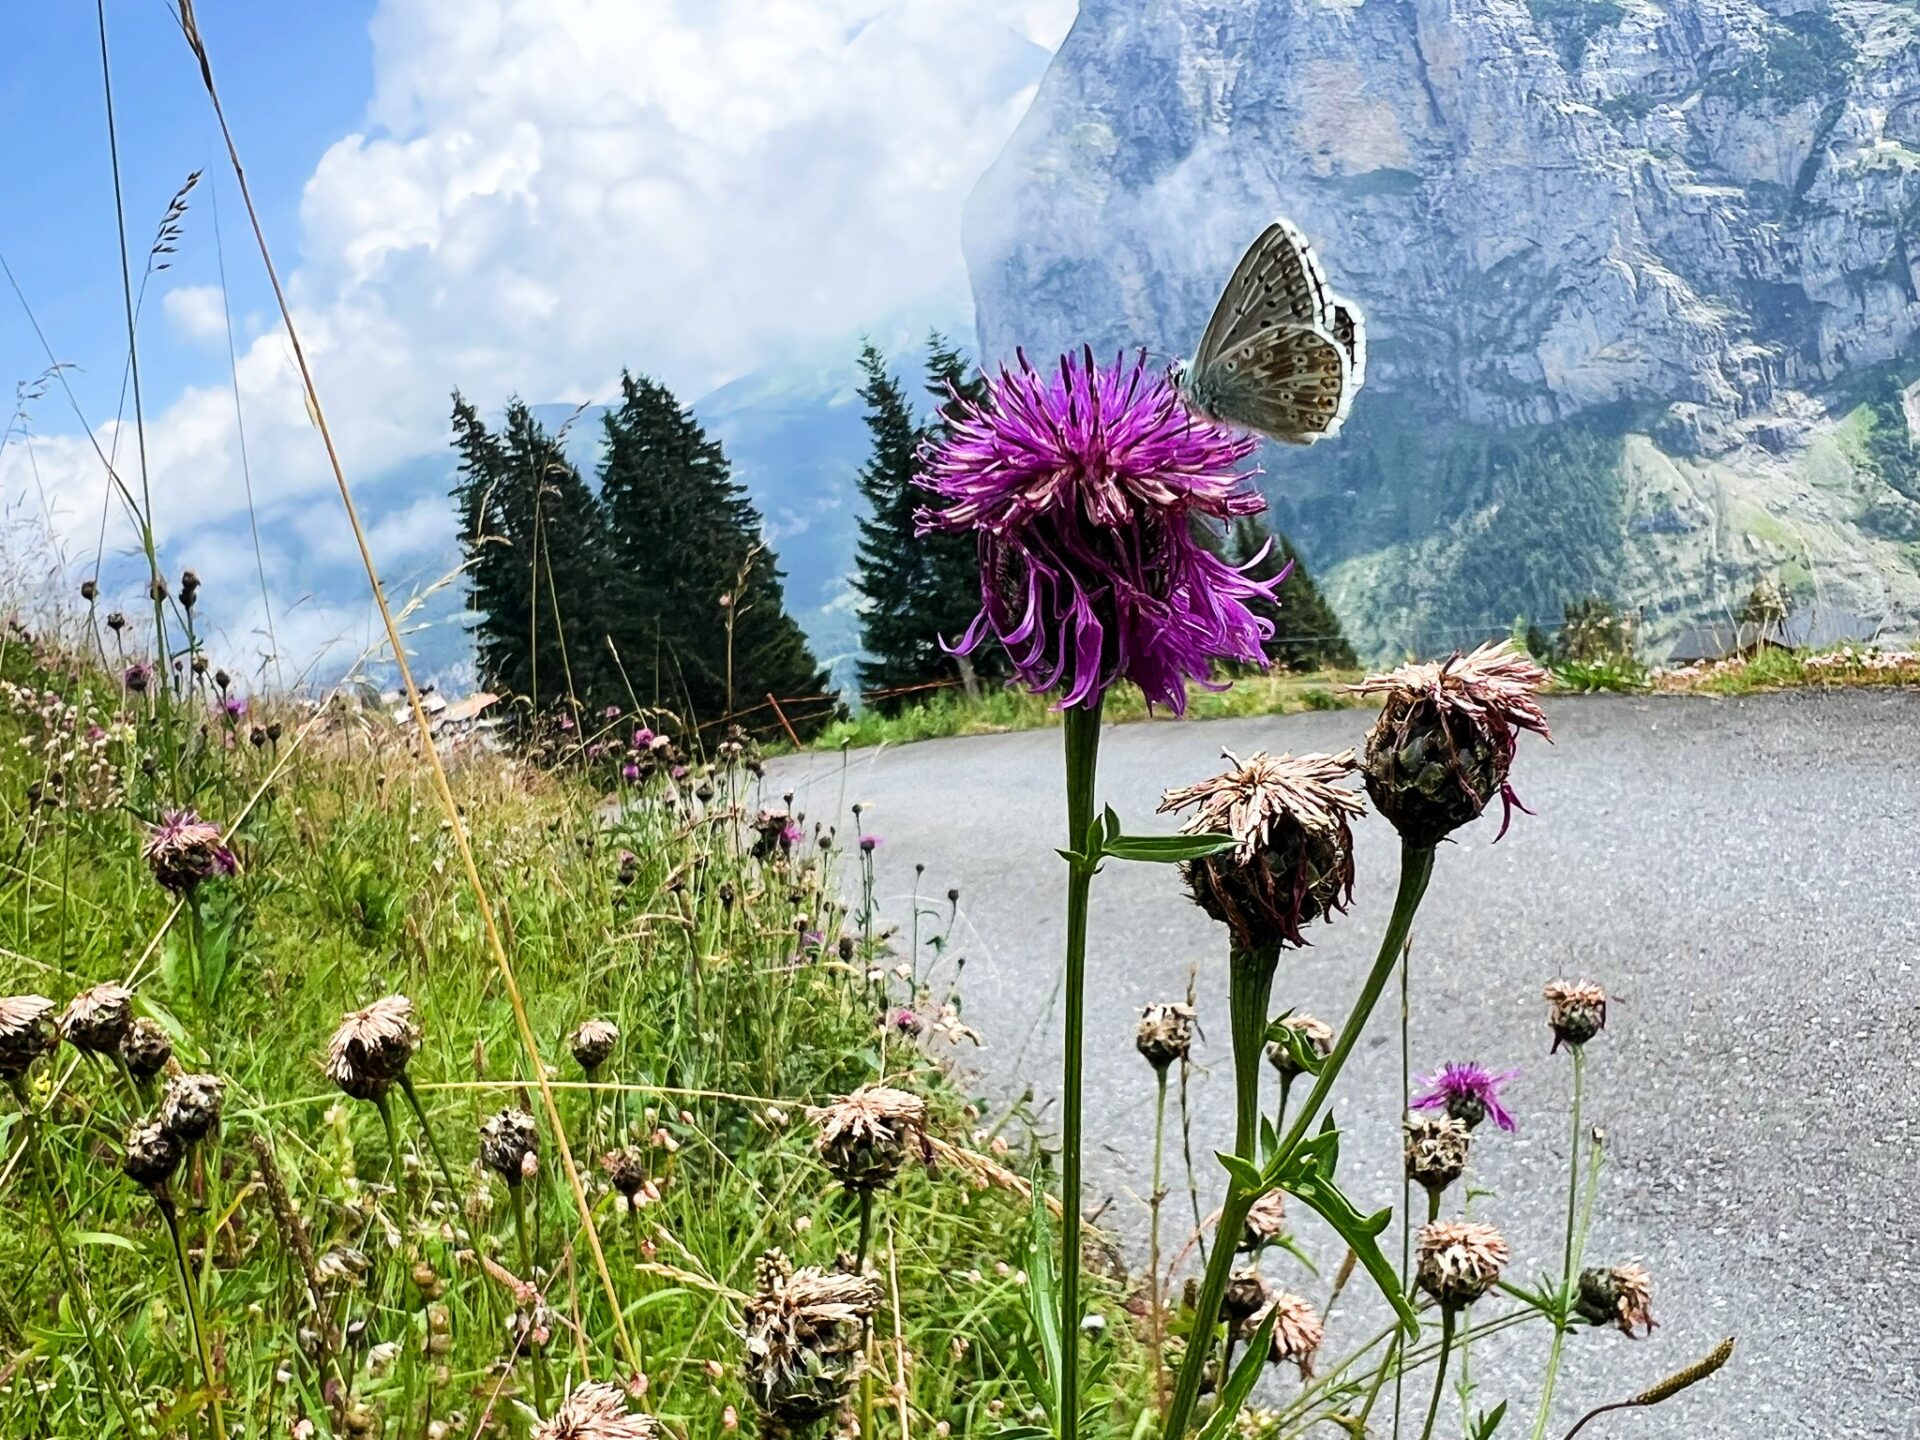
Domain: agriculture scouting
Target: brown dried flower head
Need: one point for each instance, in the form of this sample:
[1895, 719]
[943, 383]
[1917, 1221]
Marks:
[508, 1141]
[1297, 1330]
[146, 1048]
[1444, 742]
[804, 1336]
[190, 1105]
[865, 1136]
[1246, 1295]
[1266, 1220]
[370, 1050]
[1317, 1034]
[626, 1170]
[97, 1018]
[1436, 1148]
[153, 1153]
[183, 850]
[1620, 1295]
[597, 1411]
[593, 1043]
[1576, 1012]
[1165, 1033]
[1459, 1260]
[26, 1032]
[1292, 859]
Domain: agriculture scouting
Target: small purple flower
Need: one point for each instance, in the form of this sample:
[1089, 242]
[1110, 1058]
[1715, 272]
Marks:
[908, 1023]
[1468, 1093]
[1082, 488]
[642, 738]
[566, 724]
[137, 677]
[612, 712]
[233, 708]
[183, 850]
[629, 773]
[791, 834]
[679, 772]
[869, 844]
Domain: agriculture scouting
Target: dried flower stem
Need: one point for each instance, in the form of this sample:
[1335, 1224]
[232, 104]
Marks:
[1569, 1276]
[1416, 868]
[1082, 726]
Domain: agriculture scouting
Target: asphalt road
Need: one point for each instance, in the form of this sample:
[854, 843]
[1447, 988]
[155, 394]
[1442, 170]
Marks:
[1744, 875]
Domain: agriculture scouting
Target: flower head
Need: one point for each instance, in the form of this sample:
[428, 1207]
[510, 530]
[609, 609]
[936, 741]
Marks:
[593, 1043]
[1459, 1260]
[182, 850]
[153, 1153]
[1304, 1032]
[596, 1411]
[1445, 738]
[371, 1048]
[1266, 1221]
[1576, 1012]
[1165, 1033]
[805, 1330]
[1292, 857]
[146, 1048]
[626, 1170]
[26, 1032]
[1468, 1093]
[509, 1144]
[864, 1136]
[190, 1106]
[1620, 1295]
[1246, 1295]
[1436, 1149]
[1297, 1330]
[1082, 487]
[97, 1018]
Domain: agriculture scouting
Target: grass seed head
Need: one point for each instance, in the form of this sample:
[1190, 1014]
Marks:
[26, 1033]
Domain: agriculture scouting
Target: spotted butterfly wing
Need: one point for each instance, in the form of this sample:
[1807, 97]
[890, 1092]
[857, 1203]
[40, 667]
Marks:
[1282, 355]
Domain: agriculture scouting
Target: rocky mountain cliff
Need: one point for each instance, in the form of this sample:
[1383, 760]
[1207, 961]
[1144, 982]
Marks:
[1639, 278]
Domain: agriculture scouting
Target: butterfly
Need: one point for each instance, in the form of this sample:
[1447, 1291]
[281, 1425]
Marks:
[1283, 355]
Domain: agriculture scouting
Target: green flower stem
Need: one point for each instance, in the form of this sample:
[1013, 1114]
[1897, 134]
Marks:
[1439, 1375]
[195, 1319]
[1561, 1317]
[1156, 1329]
[420, 1115]
[866, 1232]
[527, 1278]
[1082, 726]
[1416, 868]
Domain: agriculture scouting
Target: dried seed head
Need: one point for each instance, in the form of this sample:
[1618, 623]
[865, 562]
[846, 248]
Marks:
[97, 1018]
[182, 850]
[343, 1265]
[1576, 1012]
[116, 622]
[596, 1411]
[507, 1141]
[153, 1153]
[1266, 1221]
[1246, 1295]
[1459, 1260]
[864, 1137]
[804, 1334]
[26, 1032]
[626, 1169]
[1165, 1033]
[1621, 1295]
[1297, 1330]
[1292, 859]
[593, 1043]
[371, 1048]
[1444, 742]
[1314, 1036]
[190, 1105]
[146, 1048]
[89, 590]
[1437, 1147]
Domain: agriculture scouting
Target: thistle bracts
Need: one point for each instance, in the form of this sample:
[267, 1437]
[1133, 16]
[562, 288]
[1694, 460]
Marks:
[867, 1135]
[805, 1331]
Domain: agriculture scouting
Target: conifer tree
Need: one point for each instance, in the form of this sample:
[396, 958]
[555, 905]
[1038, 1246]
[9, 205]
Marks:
[534, 539]
[1306, 631]
[700, 617]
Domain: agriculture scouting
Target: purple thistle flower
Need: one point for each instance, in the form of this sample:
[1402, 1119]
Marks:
[183, 850]
[629, 772]
[1468, 1093]
[1082, 488]
[233, 707]
[642, 738]
[869, 843]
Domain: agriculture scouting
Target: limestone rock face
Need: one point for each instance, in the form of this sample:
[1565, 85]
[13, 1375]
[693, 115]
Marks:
[1637, 274]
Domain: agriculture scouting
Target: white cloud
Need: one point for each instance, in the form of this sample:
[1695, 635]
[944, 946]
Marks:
[198, 312]
[547, 190]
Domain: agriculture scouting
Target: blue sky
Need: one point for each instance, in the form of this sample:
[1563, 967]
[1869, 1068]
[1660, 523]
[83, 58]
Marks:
[499, 195]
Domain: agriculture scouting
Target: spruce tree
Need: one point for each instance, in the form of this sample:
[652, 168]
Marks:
[1306, 631]
[537, 567]
[700, 618]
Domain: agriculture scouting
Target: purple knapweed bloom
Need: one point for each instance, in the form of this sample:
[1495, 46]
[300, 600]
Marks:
[183, 850]
[642, 738]
[233, 707]
[869, 843]
[629, 772]
[1468, 1093]
[1082, 487]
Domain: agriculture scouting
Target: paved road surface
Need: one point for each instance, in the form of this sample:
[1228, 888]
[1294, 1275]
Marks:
[1744, 875]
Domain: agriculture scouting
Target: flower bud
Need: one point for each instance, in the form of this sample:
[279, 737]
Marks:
[1576, 1012]
[1165, 1033]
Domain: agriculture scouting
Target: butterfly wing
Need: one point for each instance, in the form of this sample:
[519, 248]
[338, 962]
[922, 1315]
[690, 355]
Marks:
[1277, 282]
[1292, 383]
[1348, 326]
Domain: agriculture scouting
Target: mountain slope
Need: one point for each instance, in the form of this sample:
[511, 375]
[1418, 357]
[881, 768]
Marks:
[1637, 277]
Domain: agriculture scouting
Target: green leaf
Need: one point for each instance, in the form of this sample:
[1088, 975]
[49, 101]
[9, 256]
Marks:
[1246, 1175]
[1298, 1047]
[102, 1237]
[1166, 849]
[1489, 1421]
[1043, 1301]
[1240, 1384]
[1308, 1176]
